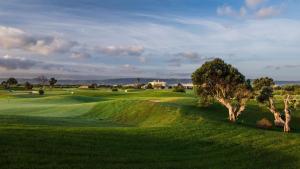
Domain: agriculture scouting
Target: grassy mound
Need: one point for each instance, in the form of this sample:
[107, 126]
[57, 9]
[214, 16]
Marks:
[135, 112]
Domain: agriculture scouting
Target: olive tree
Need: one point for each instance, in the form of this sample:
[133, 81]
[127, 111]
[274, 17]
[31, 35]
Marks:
[222, 82]
[290, 104]
[264, 87]
[52, 82]
[11, 81]
[264, 91]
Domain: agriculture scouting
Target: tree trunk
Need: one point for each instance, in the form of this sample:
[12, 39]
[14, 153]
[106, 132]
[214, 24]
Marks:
[288, 116]
[278, 121]
[232, 117]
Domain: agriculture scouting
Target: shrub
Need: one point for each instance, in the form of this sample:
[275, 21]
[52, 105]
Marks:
[93, 86]
[114, 89]
[179, 88]
[264, 124]
[41, 92]
[28, 86]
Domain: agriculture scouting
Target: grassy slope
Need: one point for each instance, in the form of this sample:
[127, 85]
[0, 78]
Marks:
[149, 129]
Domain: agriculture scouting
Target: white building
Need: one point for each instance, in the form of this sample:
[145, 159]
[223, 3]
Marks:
[156, 84]
[188, 85]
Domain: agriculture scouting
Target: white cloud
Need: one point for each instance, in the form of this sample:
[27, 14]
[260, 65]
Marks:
[267, 12]
[227, 10]
[134, 50]
[80, 55]
[13, 38]
[127, 68]
[253, 3]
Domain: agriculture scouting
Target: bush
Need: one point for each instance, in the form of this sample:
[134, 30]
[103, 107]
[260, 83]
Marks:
[114, 89]
[28, 86]
[41, 92]
[179, 89]
[93, 86]
[264, 124]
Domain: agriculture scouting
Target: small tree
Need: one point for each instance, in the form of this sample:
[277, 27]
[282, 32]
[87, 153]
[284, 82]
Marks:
[42, 80]
[4, 84]
[224, 83]
[179, 88]
[290, 104]
[93, 86]
[11, 82]
[52, 82]
[264, 90]
[265, 96]
[28, 86]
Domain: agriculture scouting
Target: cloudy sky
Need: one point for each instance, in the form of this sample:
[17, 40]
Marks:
[93, 39]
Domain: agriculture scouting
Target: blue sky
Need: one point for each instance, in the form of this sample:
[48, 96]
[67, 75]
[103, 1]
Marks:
[88, 39]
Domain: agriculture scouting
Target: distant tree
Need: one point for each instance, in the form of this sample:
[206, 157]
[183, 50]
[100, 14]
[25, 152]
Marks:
[93, 86]
[11, 82]
[138, 80]
[114, 89]
[265, 95]
[42, 80]
[224, 83]
[52, 82]
[41, 91]
[179, 88]
[258, 84]
[28, 86]
[4, 84]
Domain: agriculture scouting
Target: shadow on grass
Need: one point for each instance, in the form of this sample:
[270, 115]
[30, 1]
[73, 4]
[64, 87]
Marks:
[218, 113]
[129, 148]
[34, 121]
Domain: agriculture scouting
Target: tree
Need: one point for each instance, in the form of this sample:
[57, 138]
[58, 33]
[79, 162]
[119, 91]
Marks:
[179, 88]
[28, 86]
[11, 82]
[93, 86]
[264, 91]
[264, 87]
[258, 84]
[52, 82]
[42, 80]
[224, 83]
[4, 84]
[290, 104]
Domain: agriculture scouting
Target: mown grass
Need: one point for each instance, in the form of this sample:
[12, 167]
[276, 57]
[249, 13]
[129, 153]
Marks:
[138, 129]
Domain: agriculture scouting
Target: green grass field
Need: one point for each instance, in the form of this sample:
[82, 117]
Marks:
[138, 129]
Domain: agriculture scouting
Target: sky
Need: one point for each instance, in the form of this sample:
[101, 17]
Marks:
[100, 39]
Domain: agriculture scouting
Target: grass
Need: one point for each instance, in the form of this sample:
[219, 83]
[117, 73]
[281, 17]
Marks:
[137, 129]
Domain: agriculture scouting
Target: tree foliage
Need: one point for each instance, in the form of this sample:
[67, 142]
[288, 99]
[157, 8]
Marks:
[52, 81]
[264, 91]
[258, 84]
[28, 86]
[223, 82]
[12, 81]
[179, 88]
